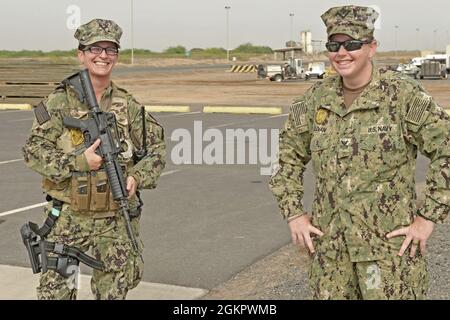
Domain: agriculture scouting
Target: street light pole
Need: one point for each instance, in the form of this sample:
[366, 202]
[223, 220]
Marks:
[395, 35]
[132, 33]
[292, 34]
[417, 39]
[292, 26]
[227, 8]
[434, 39]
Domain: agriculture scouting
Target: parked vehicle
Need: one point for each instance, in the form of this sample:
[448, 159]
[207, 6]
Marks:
[433, 69]
[409, 69]
[290, 70]
[316, 69]
[442, 58]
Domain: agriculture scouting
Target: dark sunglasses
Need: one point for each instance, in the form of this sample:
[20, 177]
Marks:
[110, 51]
[349, 45]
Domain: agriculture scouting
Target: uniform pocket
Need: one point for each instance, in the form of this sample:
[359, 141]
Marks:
[100, 191]
[380, 156]
[321, 156]
[81, 191]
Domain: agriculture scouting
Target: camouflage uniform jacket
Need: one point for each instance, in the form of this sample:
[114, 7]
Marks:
[56, 152]
[364, 160]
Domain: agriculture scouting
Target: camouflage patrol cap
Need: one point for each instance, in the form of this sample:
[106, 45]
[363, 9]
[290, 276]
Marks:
[354, 21]
[98, 30]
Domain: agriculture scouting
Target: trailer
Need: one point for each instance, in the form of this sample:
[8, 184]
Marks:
[433, 69]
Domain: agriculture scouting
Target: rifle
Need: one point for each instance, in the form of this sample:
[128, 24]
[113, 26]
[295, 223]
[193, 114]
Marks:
[101, 125]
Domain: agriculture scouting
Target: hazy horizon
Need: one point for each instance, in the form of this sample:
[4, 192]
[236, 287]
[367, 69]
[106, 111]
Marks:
[158, 24]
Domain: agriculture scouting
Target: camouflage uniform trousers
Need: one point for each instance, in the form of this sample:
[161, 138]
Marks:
[109, 243]
[395, 278]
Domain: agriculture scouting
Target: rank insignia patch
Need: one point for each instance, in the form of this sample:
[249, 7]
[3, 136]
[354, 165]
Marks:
[76, 136]
[321, 117]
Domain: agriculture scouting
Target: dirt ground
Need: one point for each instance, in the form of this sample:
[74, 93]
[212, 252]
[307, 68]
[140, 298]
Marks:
[283, 275]
[219, 87]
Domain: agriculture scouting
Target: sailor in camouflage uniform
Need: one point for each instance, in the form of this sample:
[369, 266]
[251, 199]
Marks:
[72, 173]
[362, 129]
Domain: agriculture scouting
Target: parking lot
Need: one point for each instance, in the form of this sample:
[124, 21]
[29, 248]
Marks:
[202, 225]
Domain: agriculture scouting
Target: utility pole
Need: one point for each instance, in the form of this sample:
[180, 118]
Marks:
[132, 33]
[292, 26]
[227, 9]
[434, 39]
[292, 34]
[417, 39]
[395, 35]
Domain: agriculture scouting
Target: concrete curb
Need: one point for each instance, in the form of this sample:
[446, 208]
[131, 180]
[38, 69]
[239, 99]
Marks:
[20, 283]
[242, 110]
[17, 106]
[168, 108]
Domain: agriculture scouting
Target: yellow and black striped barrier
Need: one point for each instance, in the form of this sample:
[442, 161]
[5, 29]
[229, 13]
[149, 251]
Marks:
[244, 68]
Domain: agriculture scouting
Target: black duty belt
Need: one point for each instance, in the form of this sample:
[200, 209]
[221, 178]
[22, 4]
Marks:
[71, 252]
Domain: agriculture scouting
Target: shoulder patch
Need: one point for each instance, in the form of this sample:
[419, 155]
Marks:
[417, 107]
[298, 111]
[41, 113]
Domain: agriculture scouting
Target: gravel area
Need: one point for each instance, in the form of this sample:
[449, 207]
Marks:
[282, 274]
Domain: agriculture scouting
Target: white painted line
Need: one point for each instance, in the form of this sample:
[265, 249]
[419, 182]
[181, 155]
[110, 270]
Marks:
[23, 209]
[166, 173]
[242, 122]
[225, 125]
[18, 120]
[11, 161]
[44, 203]
[279, 115]
[19, 283]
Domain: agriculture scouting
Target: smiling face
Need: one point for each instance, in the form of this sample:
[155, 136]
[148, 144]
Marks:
[99, 65]
[352, 64]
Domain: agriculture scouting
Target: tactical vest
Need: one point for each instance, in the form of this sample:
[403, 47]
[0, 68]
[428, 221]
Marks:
[88, 192]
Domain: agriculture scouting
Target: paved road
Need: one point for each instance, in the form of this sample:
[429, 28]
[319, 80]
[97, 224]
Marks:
[203, 224]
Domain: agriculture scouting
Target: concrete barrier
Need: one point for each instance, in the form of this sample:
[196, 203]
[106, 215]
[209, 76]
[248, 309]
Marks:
[168, 108]
[15, 106]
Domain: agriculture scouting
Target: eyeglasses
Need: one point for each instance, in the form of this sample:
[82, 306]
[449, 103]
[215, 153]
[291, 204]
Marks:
[110, 51]
[349, 45]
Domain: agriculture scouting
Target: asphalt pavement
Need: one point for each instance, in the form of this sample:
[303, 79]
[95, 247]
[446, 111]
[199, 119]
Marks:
[200, 226]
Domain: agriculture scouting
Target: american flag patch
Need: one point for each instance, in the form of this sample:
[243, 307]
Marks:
[41, 113]
[298, 111]
[417, 108]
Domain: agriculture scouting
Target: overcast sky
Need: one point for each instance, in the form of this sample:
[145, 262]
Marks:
[158, 24]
